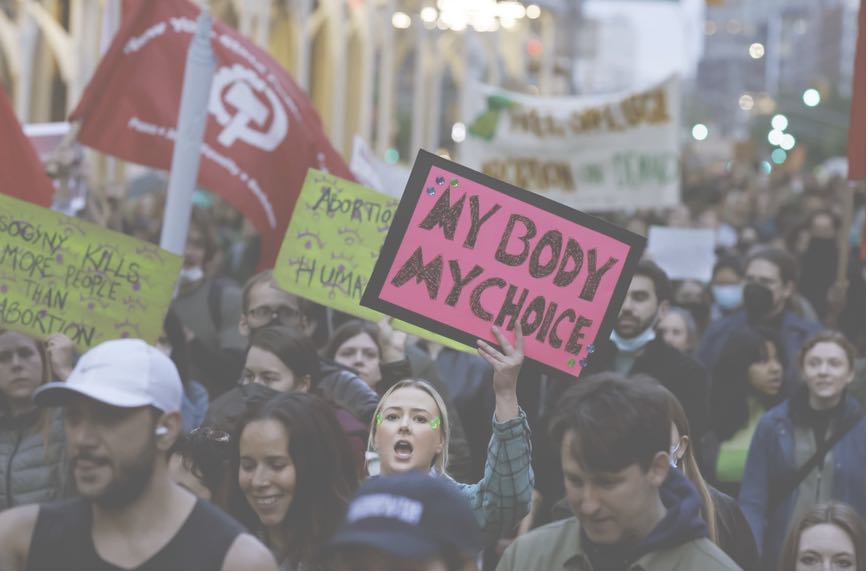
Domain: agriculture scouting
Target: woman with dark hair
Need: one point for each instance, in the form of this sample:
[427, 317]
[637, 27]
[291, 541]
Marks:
[199, 461]
[32, 446]
[808, 450]
[828, 537]
[284, 359]
[295, 477]
[172, 342]
[746, 381]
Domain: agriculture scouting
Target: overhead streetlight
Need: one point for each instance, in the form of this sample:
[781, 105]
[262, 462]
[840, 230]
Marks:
[459, 132]
[533, 11]
[401, 21]
[428, 14]
[780, 122]
[788, 142]
[745, 102]
[756, 50]
[811, 97]
[699, 132]
[775, 137]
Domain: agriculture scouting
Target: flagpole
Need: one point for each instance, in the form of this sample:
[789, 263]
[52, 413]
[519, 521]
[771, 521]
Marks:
[192, 118]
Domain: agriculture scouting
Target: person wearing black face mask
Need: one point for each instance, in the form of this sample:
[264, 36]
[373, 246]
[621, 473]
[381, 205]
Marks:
[771, 275]
[819, 260]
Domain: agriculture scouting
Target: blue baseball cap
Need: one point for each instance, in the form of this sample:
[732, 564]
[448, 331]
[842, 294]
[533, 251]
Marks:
[412, 515]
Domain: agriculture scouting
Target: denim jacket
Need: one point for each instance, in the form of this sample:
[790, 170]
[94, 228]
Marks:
[772, 461]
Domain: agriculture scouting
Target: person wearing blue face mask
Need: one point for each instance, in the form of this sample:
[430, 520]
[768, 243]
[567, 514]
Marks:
[635, 348]
[727, 280]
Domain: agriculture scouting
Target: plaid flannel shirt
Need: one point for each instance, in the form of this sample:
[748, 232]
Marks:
[502, 498]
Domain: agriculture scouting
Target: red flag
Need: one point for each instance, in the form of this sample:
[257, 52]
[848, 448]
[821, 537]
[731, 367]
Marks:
[21, 172]
[856, 145]
[262, 133]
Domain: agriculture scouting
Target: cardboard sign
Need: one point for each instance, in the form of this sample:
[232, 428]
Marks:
[591, 152]
[59, 274]
[466, 252]
[332, 243]
[683, 253]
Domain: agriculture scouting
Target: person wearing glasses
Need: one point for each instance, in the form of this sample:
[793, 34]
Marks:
[265, 304]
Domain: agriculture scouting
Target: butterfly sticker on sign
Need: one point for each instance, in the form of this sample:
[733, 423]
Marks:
[465, 252]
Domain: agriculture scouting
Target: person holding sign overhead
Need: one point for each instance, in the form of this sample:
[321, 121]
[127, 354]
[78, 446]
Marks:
[382, 357]
[410, 431]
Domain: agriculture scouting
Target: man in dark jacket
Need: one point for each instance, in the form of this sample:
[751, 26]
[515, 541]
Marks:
[771, 275]
[635, 348]
[631, 510]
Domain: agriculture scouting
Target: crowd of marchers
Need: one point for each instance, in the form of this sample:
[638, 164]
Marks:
[720, 426]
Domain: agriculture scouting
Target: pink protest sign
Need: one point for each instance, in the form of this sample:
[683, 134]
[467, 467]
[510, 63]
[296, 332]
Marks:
[465, 252]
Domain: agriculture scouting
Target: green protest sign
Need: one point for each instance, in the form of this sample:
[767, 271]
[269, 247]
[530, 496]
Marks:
[331, 245]
[59, 274]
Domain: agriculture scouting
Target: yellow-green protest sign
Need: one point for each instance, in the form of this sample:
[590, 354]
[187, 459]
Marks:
[59, 274]
[331, 245]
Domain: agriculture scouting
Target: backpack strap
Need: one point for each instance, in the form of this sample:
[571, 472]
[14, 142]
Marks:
[781, 494]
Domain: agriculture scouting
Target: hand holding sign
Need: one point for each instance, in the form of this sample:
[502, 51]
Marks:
[61, 354]
[466, 252]
[506, 365]
[391, 341]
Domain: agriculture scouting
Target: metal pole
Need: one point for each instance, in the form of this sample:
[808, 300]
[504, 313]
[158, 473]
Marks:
[192, 118]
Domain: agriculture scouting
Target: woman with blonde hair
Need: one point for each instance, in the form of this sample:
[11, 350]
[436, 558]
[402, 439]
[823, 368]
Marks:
[809, 449]
[727, 526]
[410, 431]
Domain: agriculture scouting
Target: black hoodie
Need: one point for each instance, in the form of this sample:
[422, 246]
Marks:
[683, 522]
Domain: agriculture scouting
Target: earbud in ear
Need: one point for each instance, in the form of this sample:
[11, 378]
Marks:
[161, 431]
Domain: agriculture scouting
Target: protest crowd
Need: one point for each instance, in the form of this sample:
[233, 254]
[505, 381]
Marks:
[220, 417]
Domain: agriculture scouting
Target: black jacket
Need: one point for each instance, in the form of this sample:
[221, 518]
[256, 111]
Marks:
[733, 532]
[684, 376]
[337, 384]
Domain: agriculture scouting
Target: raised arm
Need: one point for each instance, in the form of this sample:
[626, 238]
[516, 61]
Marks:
[502, 498]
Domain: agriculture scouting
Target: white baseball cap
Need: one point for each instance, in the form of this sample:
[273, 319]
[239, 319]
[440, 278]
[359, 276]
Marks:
[122, 373]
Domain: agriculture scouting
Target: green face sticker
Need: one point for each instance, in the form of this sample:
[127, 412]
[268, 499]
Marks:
[435, 423]
[379, 419]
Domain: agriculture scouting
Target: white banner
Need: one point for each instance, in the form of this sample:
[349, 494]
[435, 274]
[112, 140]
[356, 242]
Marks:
[592, 153]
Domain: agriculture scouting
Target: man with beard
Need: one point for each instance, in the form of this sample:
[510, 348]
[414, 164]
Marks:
[635, 347]
[771, 275]
[121, 417]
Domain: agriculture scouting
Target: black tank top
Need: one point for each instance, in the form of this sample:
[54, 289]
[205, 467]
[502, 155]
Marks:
[62, 540]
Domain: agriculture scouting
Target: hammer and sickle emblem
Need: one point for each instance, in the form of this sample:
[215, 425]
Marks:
[239, 86]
